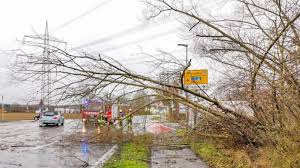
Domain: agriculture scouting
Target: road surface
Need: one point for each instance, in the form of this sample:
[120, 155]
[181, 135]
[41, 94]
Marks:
[25, 144]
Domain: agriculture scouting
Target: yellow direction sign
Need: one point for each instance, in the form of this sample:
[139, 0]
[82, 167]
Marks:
[195, 77]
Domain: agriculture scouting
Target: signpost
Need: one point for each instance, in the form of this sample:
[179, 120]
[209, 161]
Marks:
[198, 80]
[196, 77]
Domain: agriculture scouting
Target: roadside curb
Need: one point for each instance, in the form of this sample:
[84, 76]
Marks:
[106, 157]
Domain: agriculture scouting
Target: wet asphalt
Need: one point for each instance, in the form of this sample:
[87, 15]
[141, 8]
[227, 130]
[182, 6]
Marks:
[175, 158]
[25, 144]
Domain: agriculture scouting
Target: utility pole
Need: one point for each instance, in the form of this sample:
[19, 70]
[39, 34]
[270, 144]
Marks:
[186, 94]
[46, 68]
[27, 108]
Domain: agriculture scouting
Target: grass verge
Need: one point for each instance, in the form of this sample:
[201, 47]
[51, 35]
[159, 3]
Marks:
[213, 149]
[220, 158]
[220, 152]
[133, 154]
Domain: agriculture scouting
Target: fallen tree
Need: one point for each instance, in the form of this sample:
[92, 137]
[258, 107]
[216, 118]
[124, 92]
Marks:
[259, 45]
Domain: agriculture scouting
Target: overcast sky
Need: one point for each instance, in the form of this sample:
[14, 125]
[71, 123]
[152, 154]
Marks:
[114, 27]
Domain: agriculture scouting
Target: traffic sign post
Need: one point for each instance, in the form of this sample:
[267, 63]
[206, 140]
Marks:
[196, 77]
[195, 80]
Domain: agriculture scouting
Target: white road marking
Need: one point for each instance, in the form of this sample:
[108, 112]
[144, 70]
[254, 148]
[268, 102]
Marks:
[64, 132]
[42, 146]
[105, 157]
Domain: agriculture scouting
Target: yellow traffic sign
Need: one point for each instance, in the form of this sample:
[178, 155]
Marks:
[195, 77]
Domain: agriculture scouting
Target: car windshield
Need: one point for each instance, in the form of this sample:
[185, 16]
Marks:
[50, 113]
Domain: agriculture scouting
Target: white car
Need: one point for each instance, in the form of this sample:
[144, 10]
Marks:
[51, 118]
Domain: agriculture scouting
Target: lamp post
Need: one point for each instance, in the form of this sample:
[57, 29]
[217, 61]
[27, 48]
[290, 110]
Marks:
[186, 52]
[186, 94]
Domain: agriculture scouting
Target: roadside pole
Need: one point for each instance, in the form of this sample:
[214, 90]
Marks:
[186, 94]
[2, 108]
[195, 118]
[187, 109]
[195, 115]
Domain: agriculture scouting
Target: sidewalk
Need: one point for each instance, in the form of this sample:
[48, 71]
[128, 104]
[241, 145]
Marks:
[167, 149]
[175, 158]
[168, 152]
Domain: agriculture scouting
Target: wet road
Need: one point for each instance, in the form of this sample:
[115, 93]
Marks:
[25, 144]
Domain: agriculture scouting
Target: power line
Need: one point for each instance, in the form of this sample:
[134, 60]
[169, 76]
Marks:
[159, 35]
[126, 32]
[82, 15]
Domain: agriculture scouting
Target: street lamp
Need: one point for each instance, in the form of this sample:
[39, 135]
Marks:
[186, 52]
[186, 94]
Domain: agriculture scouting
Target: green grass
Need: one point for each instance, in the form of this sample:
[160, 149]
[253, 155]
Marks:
[181, 132]
[134, 154]
[218, 159]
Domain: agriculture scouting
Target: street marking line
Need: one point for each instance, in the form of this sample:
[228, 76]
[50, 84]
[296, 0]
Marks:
[42, 146]
[106, 156]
